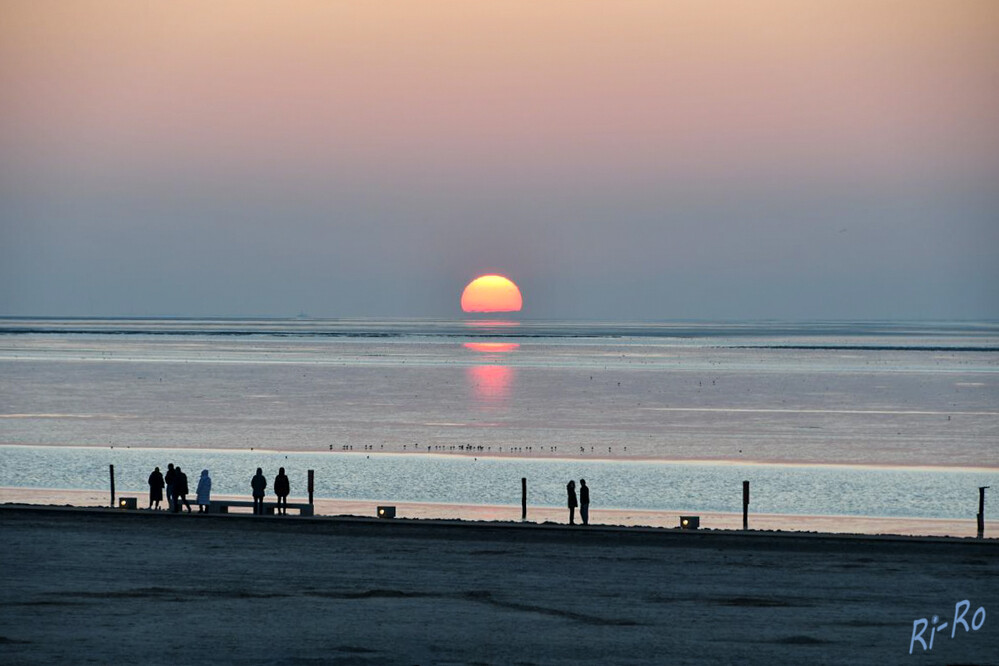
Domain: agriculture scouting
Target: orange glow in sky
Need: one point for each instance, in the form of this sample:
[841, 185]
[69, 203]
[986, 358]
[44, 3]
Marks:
[491, 293]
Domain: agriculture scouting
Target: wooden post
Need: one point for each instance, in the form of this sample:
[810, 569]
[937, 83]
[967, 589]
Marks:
[745, 505]
[523, 498]
[981, 512]
[312, 482]
[112, 484]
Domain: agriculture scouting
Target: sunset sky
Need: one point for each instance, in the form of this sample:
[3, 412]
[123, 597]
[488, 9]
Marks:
[617, 159]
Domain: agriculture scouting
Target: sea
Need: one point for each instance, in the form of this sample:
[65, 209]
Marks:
[894, 419]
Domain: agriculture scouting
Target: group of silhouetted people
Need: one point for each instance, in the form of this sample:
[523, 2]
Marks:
[175, 483]
[583, 503]
[281, 489]
[176, 486]
[177, 489]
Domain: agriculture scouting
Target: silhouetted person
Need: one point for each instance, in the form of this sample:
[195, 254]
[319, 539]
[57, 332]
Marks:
[584, 502]
[171, 480]
[156, 485]
[204, 491]
[258, 483]
[571, 490]
[281, 488]
[180, 491]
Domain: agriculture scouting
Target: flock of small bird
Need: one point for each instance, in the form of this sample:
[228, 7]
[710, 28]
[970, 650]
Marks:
[471, 448]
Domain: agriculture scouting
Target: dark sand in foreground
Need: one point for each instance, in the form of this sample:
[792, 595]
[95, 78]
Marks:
[104, 586]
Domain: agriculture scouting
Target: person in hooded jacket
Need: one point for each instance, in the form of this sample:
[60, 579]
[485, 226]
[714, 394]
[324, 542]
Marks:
[204, 491]
[259, 484]
[156, 485]
[180, 490]
[281, 488]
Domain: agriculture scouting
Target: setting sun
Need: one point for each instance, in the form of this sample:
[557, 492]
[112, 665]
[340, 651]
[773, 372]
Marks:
[491, 293]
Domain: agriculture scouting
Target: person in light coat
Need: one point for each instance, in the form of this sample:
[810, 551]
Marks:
[204, 491]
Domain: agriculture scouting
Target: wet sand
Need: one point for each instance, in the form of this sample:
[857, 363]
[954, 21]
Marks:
[598, 516]
[116, 586]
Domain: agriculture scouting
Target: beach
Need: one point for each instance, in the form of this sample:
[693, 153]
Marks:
[114, 586]
[833, 524]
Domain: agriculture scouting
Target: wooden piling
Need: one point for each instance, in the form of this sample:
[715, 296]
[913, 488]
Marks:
[523, 498]
[312, 483]
[981, 512]
[112, 484]
[745, 505]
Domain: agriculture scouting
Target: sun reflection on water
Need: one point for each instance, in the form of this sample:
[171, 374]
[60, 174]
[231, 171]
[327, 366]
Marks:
[491, 383]
[491, 347]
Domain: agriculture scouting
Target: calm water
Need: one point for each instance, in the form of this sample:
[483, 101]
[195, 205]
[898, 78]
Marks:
[863, 394]
[793, 489]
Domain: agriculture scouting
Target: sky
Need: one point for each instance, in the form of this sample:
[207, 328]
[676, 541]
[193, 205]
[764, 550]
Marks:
[703, 159]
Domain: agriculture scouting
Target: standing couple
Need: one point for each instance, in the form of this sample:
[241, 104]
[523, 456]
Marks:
[176, 487]
[282, 487]
[583, 503]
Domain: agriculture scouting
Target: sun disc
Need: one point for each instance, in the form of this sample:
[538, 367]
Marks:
[491, 293]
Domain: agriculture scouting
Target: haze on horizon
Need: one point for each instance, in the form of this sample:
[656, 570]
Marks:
[639, 160]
